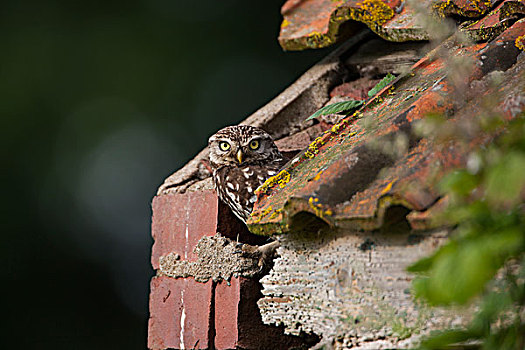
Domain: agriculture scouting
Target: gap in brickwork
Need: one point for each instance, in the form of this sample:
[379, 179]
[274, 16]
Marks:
[228, 225]
[254, 333]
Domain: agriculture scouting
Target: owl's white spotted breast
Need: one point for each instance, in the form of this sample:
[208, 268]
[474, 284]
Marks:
[236, 185]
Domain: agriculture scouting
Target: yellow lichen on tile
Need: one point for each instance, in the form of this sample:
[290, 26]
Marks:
[520, 42]
[309, 154]
[373, 12]
[285, 23]
[440, 7]
[259, 216]
[357, 115]
[275, 214]
[281, 179]
[475, 8]
[388, 187]
[317, 208]
[480, 6]
[313, 148]
[316, 39]
[267, 211]
[338, 127]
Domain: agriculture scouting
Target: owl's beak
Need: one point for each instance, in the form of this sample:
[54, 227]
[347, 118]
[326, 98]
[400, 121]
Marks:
[239, 156]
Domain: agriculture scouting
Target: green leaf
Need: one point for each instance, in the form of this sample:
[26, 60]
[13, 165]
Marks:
[379, 86]
[459, 271]
[338, 107]
[505, 181]
[440, 340]
[492, 305]
[459, 182]
[511, 337]
[421, 265]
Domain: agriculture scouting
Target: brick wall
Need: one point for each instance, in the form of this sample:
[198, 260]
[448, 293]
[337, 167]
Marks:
[188, 314]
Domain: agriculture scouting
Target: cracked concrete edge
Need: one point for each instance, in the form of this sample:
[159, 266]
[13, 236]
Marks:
[282, 116]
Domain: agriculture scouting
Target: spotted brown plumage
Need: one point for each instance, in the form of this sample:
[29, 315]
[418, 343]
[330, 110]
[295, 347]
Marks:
[242, 158]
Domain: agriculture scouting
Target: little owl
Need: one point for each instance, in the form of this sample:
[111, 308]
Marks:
[242, 158]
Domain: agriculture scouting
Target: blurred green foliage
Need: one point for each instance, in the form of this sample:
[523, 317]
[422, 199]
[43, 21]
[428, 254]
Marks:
[484, 259]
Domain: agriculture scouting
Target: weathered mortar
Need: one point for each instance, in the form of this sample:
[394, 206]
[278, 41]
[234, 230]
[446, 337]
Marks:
[351, 287]
[219, 258]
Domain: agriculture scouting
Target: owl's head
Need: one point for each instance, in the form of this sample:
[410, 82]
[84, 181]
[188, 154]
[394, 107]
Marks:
[241, 145]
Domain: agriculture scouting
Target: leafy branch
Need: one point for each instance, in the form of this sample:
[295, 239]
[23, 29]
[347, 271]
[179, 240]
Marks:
[485, 256]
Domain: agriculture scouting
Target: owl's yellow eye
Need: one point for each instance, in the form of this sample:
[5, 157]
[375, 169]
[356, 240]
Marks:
[254, 144]
[224, 146]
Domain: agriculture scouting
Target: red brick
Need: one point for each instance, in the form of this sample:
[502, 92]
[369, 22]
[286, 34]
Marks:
[222, 315]
[170, 299]
[180, 220]
[238, 321]
[226, 311]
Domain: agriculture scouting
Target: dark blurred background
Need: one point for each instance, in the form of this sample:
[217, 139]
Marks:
[100, 101]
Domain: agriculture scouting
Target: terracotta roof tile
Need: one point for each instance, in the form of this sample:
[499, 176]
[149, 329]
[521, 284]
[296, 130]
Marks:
[343, 174]
[496, 21]
[320, 23]
[345, 177]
